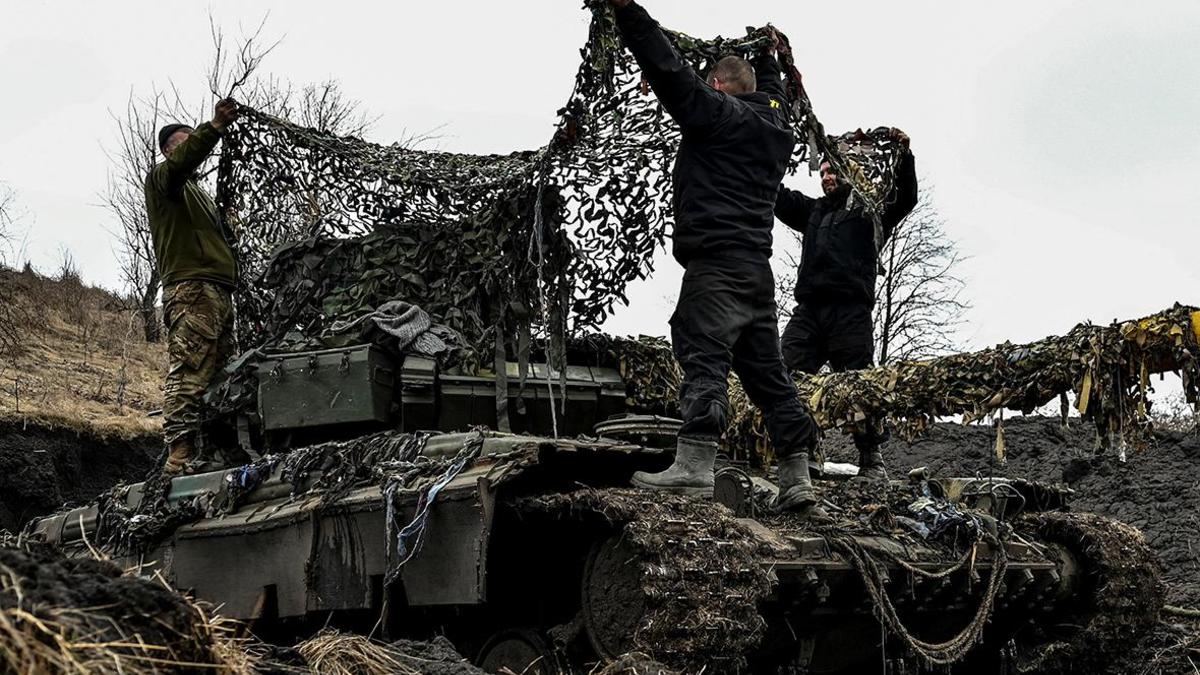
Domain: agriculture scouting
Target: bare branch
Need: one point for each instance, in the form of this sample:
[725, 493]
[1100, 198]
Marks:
[229, 71]
[131, 161]
[918, 299]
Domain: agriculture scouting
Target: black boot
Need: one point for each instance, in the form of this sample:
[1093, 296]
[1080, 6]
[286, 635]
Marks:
[691, 474]
[870, 466]
[795, 488]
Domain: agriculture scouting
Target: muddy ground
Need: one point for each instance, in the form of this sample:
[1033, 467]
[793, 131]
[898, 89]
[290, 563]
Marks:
[42, 469]
[1157, 490]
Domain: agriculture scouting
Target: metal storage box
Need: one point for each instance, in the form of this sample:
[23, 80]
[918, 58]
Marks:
[327, 387]
[591, 394]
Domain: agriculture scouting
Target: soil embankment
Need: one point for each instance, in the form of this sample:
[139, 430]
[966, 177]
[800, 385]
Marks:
[43, 468]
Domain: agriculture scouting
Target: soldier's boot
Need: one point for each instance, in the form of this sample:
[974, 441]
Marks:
[796, 492]
[870, 466]
[182, 453]
[691, 474]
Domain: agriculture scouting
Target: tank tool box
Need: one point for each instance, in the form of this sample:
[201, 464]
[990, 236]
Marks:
[330, 386]
[360, 385]
[591, 395]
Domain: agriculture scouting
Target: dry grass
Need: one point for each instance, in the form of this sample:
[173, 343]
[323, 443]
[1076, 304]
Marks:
[70, 641]
[80, 361]
[334, 653]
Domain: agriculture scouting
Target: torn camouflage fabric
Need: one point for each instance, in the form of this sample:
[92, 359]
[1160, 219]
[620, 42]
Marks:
[1106, 368]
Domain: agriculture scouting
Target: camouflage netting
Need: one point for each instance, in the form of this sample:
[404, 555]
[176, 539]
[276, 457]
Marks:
[1108, 369]
[538, 243]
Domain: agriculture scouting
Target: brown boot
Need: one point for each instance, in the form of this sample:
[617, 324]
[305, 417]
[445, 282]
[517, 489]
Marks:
[183, 451]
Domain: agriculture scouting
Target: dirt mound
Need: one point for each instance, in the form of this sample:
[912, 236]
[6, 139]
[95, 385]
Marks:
[63, 615]
[436, 657]
[1167, 649]
[43, 468]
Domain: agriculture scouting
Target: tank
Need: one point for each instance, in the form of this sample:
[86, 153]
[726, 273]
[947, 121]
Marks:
[380, 498]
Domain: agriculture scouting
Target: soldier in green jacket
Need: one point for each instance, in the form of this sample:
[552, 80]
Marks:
[198, 271]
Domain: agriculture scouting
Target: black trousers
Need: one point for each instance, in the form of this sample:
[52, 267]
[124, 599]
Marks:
[840, 334]
[726, 317]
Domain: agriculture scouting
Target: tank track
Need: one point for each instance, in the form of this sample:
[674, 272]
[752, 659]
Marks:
[700, 581]
[1121, 596]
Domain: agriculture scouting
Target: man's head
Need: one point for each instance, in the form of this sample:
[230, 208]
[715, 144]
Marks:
[170, 136]
[732, 75]
[829, 178]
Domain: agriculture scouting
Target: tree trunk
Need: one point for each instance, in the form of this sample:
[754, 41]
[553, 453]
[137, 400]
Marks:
[148, 309]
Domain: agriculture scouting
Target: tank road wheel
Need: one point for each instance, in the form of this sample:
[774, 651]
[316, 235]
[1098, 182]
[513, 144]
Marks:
[613, 601]
[520, 651]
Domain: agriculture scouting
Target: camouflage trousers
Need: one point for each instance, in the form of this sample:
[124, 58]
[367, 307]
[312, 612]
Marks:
[199, 318]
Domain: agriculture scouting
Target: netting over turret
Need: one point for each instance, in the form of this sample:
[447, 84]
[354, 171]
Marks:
[496, 246]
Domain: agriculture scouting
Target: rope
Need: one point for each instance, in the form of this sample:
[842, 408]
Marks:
[934, 653]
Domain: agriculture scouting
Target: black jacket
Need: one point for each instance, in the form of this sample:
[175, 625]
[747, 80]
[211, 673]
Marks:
[734, 150]
[838, 261]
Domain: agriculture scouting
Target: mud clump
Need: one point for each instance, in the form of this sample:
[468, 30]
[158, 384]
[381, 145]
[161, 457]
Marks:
[58, 613]
[41, 468]
[1121, 587]
[436, 657]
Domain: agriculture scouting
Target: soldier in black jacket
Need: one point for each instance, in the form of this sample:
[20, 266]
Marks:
[835, 285]
[735, 147]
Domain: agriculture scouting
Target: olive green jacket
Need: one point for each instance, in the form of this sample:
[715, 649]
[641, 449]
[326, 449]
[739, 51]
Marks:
[189, 241]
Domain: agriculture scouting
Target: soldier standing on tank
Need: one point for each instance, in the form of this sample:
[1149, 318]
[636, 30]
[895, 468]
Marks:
[198, 270]
[835, 284]
[735, 146]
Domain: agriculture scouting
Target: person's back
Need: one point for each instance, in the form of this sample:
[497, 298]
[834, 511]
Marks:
[734, 151]
[727, 175]
[735, 141]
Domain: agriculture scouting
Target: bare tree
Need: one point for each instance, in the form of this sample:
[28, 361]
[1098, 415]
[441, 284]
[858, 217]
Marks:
[131, 161]
[8, 218]
[322, 106]
[10, 311]
[232, 71]
[918, 299]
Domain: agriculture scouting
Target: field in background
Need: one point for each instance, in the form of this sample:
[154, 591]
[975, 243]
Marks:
[73, 356]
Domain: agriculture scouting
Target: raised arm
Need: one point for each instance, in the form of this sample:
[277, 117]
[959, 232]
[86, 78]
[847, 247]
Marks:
[687, 98]
[793, 208]
[170, 175]
[905, 198]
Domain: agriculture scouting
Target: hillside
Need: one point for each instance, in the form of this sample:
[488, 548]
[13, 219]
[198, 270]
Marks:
[70, 356]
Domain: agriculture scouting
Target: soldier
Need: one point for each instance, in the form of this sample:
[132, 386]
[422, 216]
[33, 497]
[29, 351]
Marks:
[835, 285]
[735, 147]
[198, 271]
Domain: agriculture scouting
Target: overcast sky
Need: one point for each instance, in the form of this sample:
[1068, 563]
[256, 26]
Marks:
[1062, 138]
